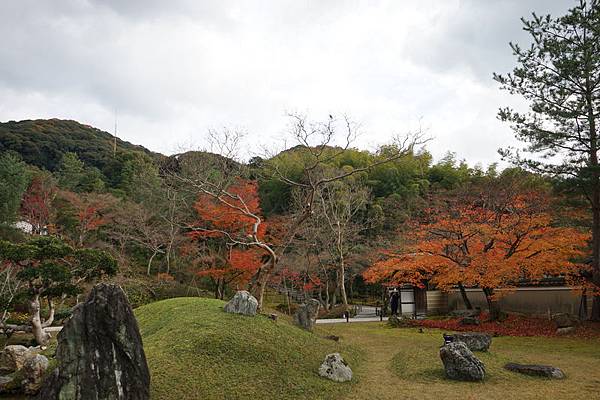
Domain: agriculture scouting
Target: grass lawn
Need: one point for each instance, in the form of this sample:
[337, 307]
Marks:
[403, 363]
[196, 351]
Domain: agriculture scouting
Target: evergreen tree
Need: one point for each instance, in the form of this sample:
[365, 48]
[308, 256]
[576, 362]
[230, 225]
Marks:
[14, 179]
[559, 75]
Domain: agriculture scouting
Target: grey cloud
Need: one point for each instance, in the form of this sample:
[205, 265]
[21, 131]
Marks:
[174, 68]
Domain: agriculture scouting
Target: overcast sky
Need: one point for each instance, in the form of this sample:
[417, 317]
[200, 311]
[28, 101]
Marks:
[173, 69]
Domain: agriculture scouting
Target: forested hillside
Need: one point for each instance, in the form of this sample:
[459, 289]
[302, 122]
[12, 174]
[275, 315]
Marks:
[44, 142]
[318, 218]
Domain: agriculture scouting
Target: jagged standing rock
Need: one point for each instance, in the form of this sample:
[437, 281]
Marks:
[306, 314]
[460, 363]
[335, 368]
[536, 370]
[100, 354]
[475, 341]
[242, 303]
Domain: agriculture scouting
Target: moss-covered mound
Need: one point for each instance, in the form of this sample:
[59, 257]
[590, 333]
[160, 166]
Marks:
[196, 351]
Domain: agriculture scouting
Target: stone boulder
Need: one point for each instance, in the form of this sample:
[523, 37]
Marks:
[460, 363]
[565, 331]
[33, 373]
[564, 320]
[242, 303]
[536, 370]
[466, 313]
[475, 341]
[470, 321]
[306, 314]
[399, 322]
[335, 368]
[100, 354]
[12, 358]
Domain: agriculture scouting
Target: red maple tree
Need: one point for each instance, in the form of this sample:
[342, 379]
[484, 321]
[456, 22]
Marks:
[233, 217]
[488, 242]
[36, 203]
[91, 211]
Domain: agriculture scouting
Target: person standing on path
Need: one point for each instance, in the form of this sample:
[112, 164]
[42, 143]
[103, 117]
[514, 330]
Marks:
[394, 300]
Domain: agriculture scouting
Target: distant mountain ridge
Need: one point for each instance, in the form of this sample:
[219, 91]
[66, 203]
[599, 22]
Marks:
[43, 142]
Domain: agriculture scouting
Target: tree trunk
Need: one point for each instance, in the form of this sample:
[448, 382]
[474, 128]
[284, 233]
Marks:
[465, 298]
[595, 200]
[260, 279]
[583, 308]
[327, 293]
[50, 318]
[150, 262]
[342, 270]
[492, 304]
[342, 284]
[41, 337]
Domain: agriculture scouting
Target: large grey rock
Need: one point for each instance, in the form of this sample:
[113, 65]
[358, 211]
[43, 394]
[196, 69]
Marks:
[100, 354]
[466, 313]
[460, 363]
[335, 368]
[242, 303]
[475, 341]
[564, 320]
[33, 373]
[12, 358]
[536, 370]
[306, 314]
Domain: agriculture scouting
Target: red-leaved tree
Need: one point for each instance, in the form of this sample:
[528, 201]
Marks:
[234, 215]
[36, 203]
[485, 241]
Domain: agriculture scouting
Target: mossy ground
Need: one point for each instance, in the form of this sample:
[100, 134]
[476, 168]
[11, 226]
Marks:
[196, 351]
[403, 363]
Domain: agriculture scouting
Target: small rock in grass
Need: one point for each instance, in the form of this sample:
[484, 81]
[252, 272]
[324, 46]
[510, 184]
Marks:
[399, 322]
[536, 370]
[475, 341]
[242, 303]
[335, 368]
[306, 314]
[564, 320]
[460, 363]
[333, 337]
[565, 330]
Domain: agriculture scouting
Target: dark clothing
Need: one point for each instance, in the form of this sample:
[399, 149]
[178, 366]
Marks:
[394, 300]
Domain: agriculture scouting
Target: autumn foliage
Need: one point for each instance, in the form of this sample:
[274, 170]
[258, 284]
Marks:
[513, 325]
[485, 240]
[36, 203]
[230, 213]
[225, 224]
